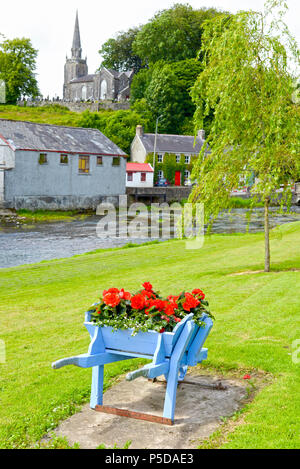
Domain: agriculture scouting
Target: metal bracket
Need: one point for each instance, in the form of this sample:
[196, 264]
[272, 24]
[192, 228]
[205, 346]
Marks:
[133, 415]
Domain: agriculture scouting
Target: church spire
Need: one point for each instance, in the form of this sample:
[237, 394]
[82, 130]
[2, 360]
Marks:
[76, 47]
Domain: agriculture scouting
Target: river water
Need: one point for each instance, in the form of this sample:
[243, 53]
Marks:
[28, 244]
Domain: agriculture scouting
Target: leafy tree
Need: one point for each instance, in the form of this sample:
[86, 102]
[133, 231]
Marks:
[140, 83]
[172, 35]
[117, 52]
[168, 94]
[17, 69]
[119, 126]
[248, 82]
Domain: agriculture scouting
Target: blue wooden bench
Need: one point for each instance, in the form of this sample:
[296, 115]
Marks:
[171, 354]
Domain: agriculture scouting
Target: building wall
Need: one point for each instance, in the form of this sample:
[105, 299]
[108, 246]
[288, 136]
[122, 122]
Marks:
[137, 153]
[1, 186]
[7, 156]
[61, 184]
[136, 182]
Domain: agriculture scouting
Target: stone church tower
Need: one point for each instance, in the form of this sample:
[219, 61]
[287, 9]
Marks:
[75, 67]
[105, 85]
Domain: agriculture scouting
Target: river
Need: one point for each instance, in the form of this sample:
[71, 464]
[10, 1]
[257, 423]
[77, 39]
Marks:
[27, 244]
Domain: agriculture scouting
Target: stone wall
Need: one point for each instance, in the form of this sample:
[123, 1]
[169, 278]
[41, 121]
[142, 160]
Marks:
[61, 202]
[79, 107]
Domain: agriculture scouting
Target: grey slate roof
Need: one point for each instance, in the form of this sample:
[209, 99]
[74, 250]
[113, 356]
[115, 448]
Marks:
[45, 137]
[172, 143]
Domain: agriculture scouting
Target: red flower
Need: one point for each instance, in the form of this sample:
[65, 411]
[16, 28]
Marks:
[247, 377]
[162, 330]
[147, 286]
[159, 304]
[125, 295]
[199, 293]
[111, 299]
[169, 309]
[147, 294]
[111, 290]
[138, 302]
[190, 302]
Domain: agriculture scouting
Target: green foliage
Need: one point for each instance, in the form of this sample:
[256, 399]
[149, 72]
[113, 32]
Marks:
[119, 126]
[117, 52]
[173, 34]
[17, 69]
[139, 84]
[168, 93]
[247, 82]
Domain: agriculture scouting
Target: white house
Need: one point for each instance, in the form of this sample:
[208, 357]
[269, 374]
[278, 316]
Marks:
[139, 175]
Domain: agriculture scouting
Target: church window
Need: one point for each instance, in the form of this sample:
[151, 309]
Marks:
[84, 164]
[99, 161]
[84, 93]
[103, 89]
[64, 159]
[43, 158]
[116, 161]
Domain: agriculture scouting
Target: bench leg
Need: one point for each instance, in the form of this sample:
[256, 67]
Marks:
[97, 386]
[170, 399]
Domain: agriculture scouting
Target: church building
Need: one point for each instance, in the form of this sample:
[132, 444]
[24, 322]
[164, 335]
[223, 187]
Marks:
[79, 85]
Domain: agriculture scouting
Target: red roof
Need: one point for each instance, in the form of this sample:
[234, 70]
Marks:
[139, 168]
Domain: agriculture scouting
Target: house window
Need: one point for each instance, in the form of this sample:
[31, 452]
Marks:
[178, 158]
[160, 175]
[99, 161]
[116, 161]
[159, 158]
[84, 164]
[64, 159]
[129, 176]
[43, 158]
[187, 159]
[143, 177]
[186, 175]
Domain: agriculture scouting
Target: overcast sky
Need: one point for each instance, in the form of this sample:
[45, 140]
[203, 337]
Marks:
[50, 27]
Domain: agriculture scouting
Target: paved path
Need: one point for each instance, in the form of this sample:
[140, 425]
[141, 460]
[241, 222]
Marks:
[198, 414]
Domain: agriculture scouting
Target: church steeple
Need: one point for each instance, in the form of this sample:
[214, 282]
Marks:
[76, 46]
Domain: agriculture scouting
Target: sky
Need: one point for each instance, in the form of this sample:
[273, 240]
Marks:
[50, 27]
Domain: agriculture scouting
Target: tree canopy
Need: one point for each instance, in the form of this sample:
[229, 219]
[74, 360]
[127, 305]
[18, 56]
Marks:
[117, 52]
[173, 34]
[168, 94]
[247, 80]
[17, 68]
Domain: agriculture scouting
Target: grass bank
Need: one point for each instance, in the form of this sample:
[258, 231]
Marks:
[51, 216]
[257, 320]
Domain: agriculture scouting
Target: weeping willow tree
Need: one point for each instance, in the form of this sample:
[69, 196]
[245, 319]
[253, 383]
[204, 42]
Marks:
[249, 83]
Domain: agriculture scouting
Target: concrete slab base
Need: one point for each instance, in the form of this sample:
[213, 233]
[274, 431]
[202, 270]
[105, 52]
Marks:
[199, 412]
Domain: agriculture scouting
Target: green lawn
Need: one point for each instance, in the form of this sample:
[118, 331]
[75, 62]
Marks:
[257, 320]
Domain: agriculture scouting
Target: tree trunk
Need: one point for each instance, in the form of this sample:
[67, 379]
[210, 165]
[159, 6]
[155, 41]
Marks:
[267, 236]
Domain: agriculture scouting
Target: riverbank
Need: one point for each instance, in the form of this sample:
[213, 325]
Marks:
[257, 319]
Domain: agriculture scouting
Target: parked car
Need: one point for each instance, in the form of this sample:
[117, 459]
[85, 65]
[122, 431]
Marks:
[162, 183]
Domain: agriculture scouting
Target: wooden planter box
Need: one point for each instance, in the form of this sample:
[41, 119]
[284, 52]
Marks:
[171, 354]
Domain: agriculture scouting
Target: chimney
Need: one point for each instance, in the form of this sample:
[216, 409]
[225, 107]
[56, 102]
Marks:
[201, 134]
[139, 130]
